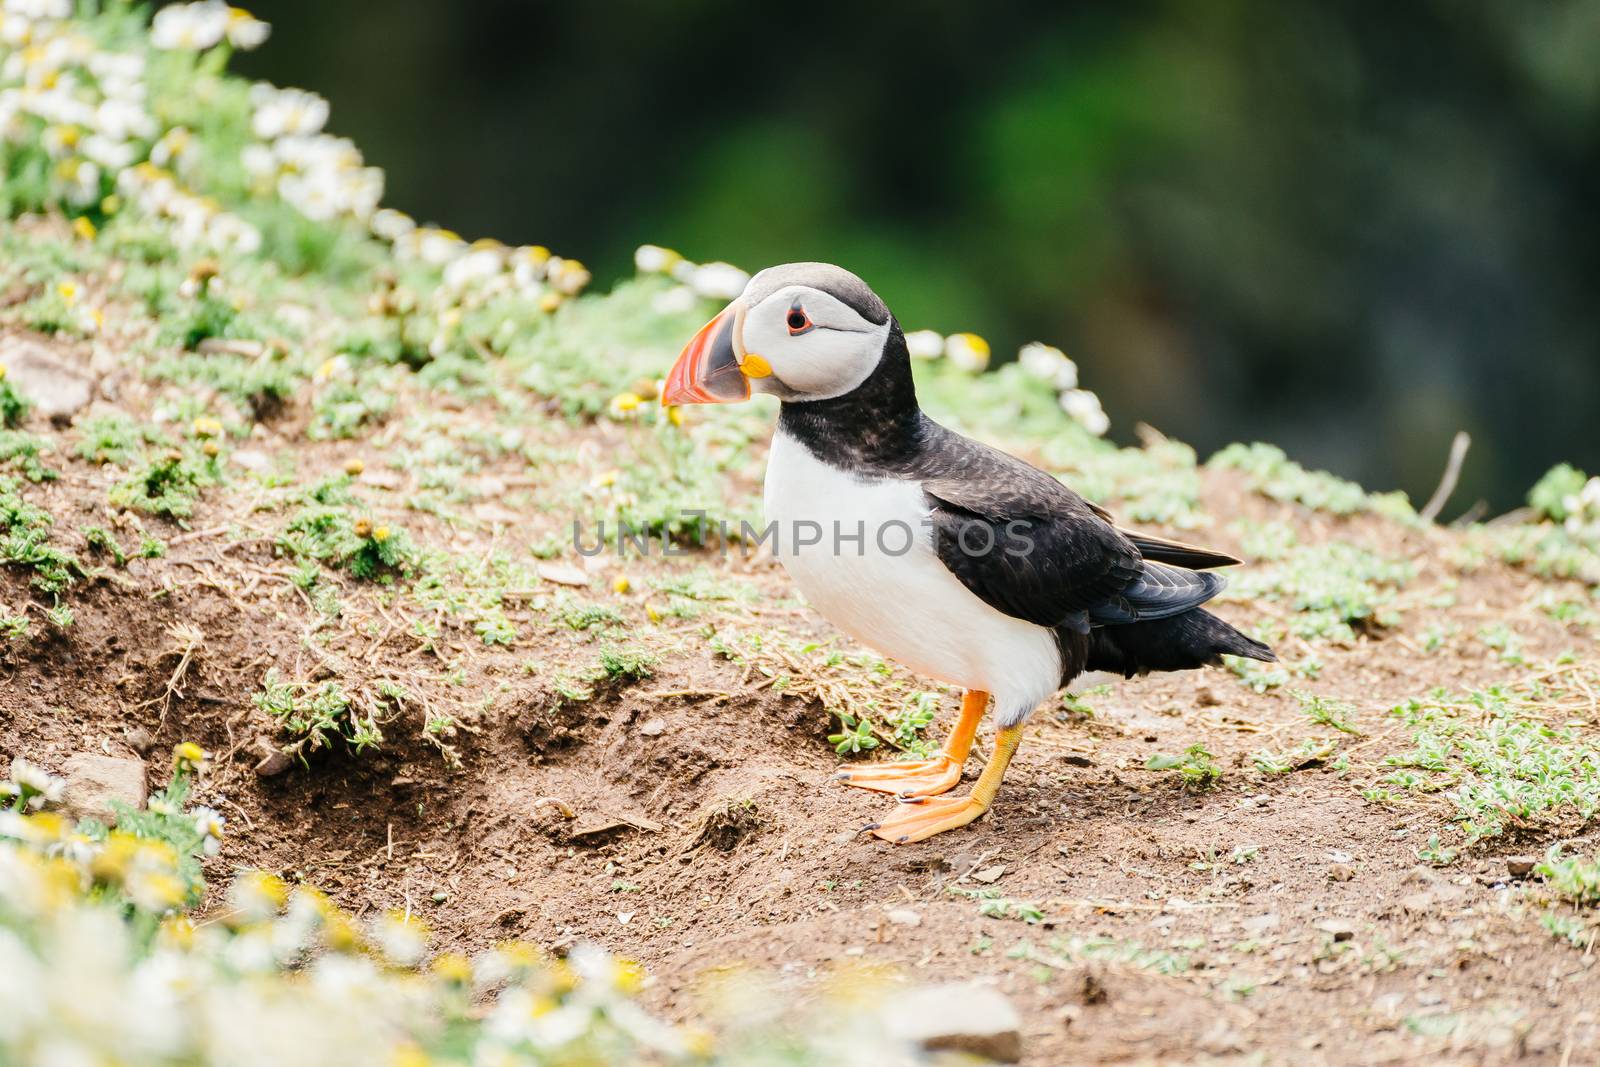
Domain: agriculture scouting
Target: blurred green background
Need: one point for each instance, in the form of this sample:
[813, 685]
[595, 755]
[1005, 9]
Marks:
[1347, 228]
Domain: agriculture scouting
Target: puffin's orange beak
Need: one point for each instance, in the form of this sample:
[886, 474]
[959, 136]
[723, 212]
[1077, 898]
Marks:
[708, 370]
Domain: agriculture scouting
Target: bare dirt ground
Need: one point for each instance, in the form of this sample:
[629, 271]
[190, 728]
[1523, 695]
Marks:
[1271, 918]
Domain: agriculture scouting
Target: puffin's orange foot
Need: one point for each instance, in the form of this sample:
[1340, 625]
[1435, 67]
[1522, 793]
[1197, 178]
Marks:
[919, 818]
[914, 778]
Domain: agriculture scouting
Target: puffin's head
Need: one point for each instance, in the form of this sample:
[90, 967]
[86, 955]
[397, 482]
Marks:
[802, 331]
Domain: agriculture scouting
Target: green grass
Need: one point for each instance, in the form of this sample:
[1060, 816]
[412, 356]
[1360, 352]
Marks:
[1195, 767]
[316, 715]
[25, 541]
[1505, 757]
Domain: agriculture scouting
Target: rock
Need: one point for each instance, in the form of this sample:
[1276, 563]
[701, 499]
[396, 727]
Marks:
[654, 727]
[958, 1017]
[1338, 929]
[1520, 866]
[140, 740]
[94, 781]
[904, 917]
[56, 388]
[989, 875]
[274, 760]
[1260, 924]
[251, 459]
[494, 513]
[562, 574]
[1341, 872]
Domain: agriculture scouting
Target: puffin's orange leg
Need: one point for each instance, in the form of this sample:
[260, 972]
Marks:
[926, 777]
[919, 818]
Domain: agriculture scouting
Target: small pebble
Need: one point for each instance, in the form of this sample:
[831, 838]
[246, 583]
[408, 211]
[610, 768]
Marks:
[1520, 866]
[904, 917]
[1341, 872]
[654, 727]
[1338, 929]
[989, 875]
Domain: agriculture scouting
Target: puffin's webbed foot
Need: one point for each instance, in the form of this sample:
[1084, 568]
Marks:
[926, 777]
[919, 818]
[913, 778]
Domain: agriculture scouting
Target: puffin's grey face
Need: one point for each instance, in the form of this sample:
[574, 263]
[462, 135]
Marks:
[799, 332]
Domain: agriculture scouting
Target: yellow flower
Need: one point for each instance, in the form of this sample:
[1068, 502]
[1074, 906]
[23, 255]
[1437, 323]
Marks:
[2, 372]
[380, 534]
[549, 302]
[176, 931]
[628, 975]
[675, 415]
[354, 466]
[409, 1055]
[651, 612]
[68, 291]
[621, 585]
[154, 890]
[605, 480]
[189, 756]
[83, 227]
[698, 1041]
[206, 426]
[625, 403]
[257, 895]
[212, 449]
[967, 351]
[362, 528]
[115, 857]
[453, 967]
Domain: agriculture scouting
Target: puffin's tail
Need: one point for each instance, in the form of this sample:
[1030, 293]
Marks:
[1182, 642]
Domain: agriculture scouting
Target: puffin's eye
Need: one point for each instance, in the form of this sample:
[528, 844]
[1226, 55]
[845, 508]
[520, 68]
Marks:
[798, 321]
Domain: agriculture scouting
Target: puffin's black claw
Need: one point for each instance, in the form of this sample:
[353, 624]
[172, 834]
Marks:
[871, 826]
[842, 776]
[905, 798]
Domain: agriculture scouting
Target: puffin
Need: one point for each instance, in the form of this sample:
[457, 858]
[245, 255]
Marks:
[958, 560]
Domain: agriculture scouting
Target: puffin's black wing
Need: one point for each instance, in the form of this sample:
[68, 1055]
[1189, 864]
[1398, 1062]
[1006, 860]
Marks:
[1032, 548]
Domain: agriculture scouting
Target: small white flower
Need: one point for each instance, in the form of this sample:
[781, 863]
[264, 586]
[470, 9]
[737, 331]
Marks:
[1050, 364]
[111, 154]
[719, 281]
[40, 9]
[437, 247]
[674, 301]
[567, 276]
[1084, 408]
[530, 265]
[245, 31]
[653, 259]
[190, 27]
[286, 112]
[209, 823]
[259, 162]
[402, 940]
[37, 784]
[391, 225]
[122, 120]
[483, 261]
[1589, 496]
[925, 344]
[967, 351]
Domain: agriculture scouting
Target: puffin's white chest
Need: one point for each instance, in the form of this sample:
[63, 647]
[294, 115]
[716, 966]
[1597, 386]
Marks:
[861, 552]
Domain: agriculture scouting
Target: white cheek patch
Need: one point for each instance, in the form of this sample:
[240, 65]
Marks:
[831, 359]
